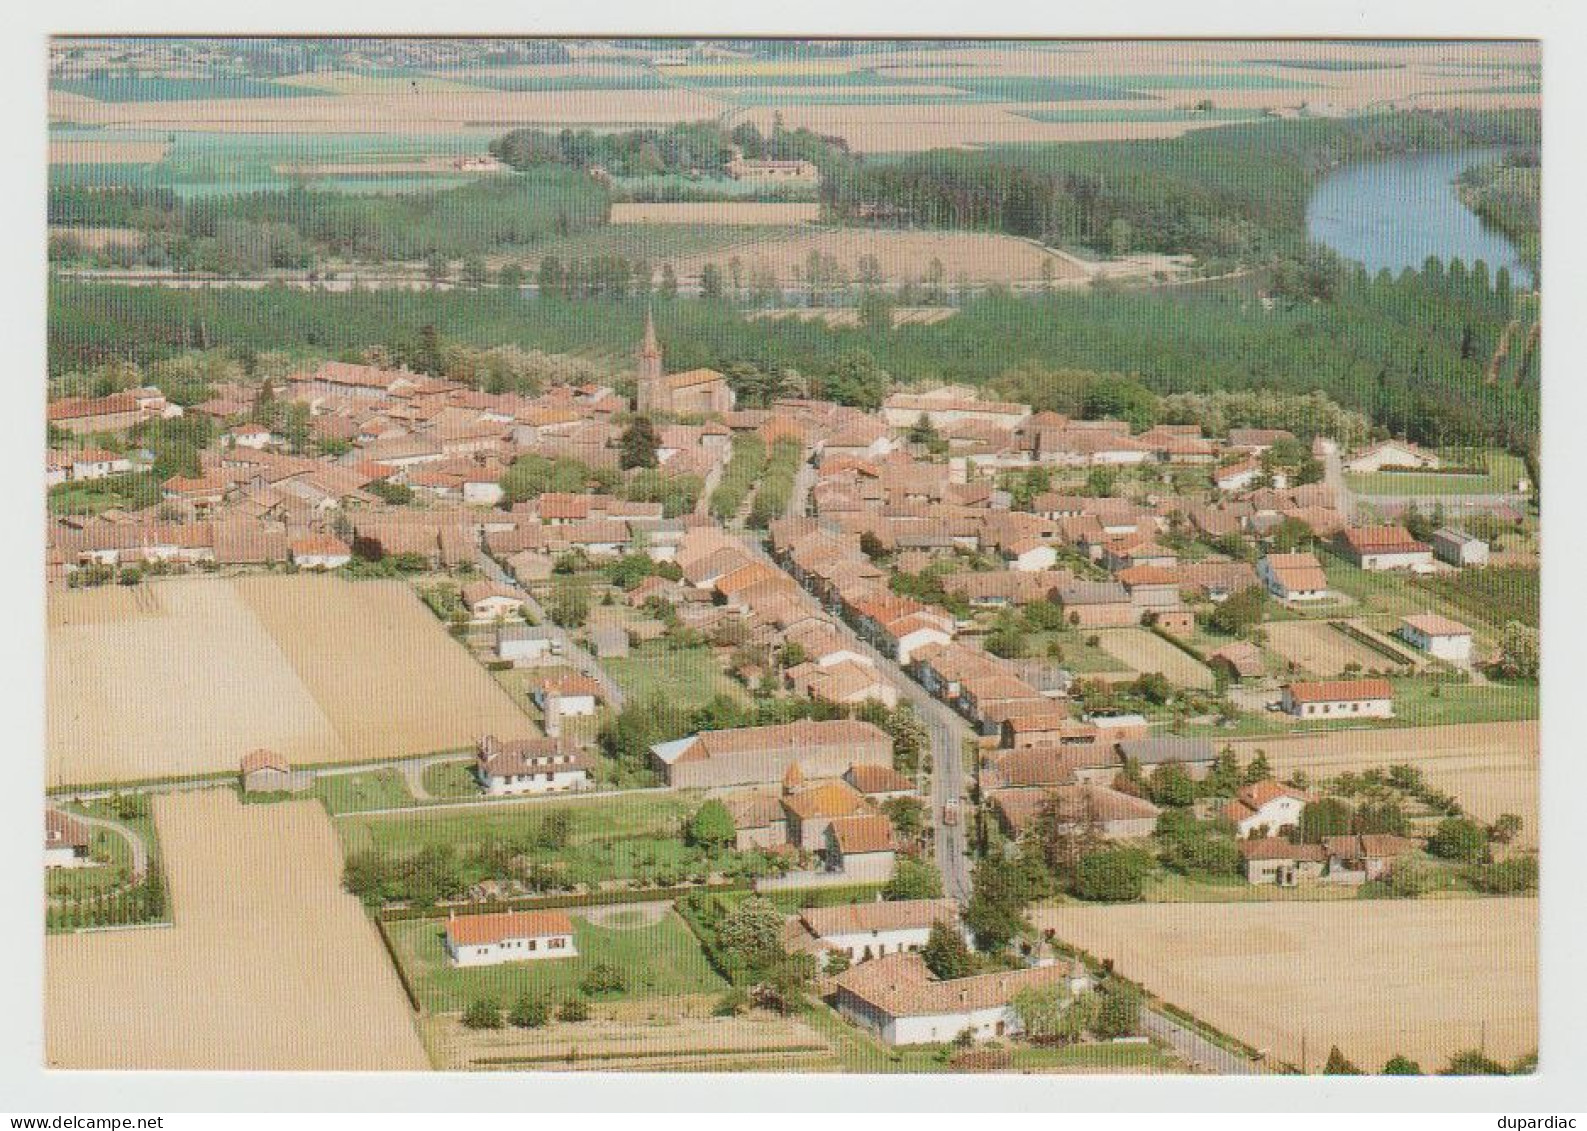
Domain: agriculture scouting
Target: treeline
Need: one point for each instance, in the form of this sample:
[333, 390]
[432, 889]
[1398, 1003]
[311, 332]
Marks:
[1407, 351]
[1508, 195]
[686, 147]
[1232, 193]
[300, 228]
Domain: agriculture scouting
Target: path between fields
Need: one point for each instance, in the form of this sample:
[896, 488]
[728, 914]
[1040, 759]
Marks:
[1195, 1048]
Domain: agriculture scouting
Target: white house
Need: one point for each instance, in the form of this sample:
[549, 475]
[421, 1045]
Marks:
[1340, 698]
[486, 600]
[559, 697]
[319, 551]
[864, 931]
[1459, 548]
[511, 936]
[1265, 808]
[526, 642]
[1237, 476]
[1293, 577]
[255, 436]
[482, 490]
[96, 463]
[898, 999]
[1438, 636]
[66, 841]
[529, 765]
[1031, 555]
[1385, 547]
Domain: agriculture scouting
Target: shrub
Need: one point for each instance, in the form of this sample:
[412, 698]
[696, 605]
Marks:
[603, 978]
[1118, 1010]
[574, 1009]
[1401, 1066]
[1338, 1066]
[1508, 877]
[1114, 875]
[483, 1013]
[1459, 838]
[529, 1012]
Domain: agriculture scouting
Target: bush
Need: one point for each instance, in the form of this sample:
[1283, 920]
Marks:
[574, 1009]
[1118, 1010]
[603, 978]
[1401, 1066]
[529, 1012]
[1459, 838]
[483, 1013]
[1114, 875]
[1338, 1066]
[1508, 877]
[1473, 1063]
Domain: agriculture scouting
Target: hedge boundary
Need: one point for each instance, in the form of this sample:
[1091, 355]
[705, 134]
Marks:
[1367, 640]
[549, 902]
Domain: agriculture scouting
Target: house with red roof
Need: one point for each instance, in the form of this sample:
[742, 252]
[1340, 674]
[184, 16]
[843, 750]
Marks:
[1384, 547]
[1438, 636]
[1266, 808]
[1339, 698]
[510, 936]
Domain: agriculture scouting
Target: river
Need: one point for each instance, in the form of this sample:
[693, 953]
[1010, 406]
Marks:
[1397, 211]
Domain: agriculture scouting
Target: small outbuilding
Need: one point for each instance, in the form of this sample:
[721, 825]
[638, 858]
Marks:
[265, 771]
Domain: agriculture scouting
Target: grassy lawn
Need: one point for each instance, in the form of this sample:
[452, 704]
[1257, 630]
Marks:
[451, 779]
[132, 491]
[594, 819]
[686, 678]
[350, 793]
[663, 959]
[1171, 887]
[1504, 470]
[1078, 656]
[112, 868]
[1416, 704]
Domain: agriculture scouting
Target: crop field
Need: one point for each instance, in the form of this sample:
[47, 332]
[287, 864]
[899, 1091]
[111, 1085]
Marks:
[1490, 768]
[97, 239]
[1354, 973]
[736, 212]
[659, 959]
[1142, 652]
[1320, 649]
[75, 151]
[980, 257]
[269, 964]
[676, 1034]
[185, 676]
[850, 316]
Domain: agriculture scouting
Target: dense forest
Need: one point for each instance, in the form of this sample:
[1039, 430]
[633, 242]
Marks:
[1508, 195]
[688, 147]
[300, 227]
[1231, 193]
[1409, 351]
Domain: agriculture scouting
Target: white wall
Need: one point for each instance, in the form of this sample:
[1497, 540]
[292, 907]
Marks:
[512, 950]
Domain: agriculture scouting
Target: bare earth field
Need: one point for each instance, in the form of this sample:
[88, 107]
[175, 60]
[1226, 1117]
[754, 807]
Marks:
[716, 212]
[97, 239]
[78, 152]
[976, 256]
[850, 316]
[1491, 768]
[1320, 649]
[269, 966]
[1144, 652]
[1379, 977]
[186, 675]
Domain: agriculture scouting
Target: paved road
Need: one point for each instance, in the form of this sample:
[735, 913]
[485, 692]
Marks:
[573, 652]
[1195, 1048]
[140, 851]
[1334, 476]
[948, 732]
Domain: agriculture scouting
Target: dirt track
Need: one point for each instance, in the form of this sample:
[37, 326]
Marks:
[1424, 978]
[269, 965]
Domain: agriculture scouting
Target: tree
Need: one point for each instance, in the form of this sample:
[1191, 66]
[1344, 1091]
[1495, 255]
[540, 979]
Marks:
[1170, 784]
[1505, 828]
[570, 604]
[996, 911]
[1258, 768]
[1046, 1012]
[511, 275]
[908, 815]
[710, 281]
[784, 985]
[711, 827]
[474, 273]
[1338, 1066]
[530, 1011]
[669, 281]
[1459, 838]
[1240, 611]
[1327, 817]
[946, 954]
[1115, 875]
[914, 879]
[603, 978]
[1118, 1010]
[1519, 652]
[750, 935]
[1401, 1066]
[639, 443]
[483, 1013]
[1472, 1062]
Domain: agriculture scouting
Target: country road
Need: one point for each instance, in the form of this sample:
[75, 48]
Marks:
[1195, 1048]
[948, 732]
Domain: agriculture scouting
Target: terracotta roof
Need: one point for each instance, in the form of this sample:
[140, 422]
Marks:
[1277, 848]
[1375, 846]
[882, 915]
[862, 834]
[830, 799]
[570, 683]
[262, 759]
[1341, 690]
[1258, 794]
[1382, 539]
[900, 985]
[868, 778]
[64, 829]
[474, 930]
[1431, 624]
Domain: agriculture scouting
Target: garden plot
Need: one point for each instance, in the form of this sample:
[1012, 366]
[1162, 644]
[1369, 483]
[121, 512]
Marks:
[1317, 648]
[1142, 651]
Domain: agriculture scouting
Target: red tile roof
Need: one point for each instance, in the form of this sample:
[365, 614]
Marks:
[475, 930]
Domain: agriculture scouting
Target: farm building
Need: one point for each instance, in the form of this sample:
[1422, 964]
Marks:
[1384, 547]
[899, 1000]
[1358, 858]
[319, 551]
[512, 936]
[864, 931]
[781, 172]
[1438, 636]
[529, 765]
[1098, 604]
[1194, 755]
[1355, 698]
[1241, 658]
[1116, 815]
[862, 847]
[878, 783]
[1390, 453]
[1293, 577]
[527, 642]
[761, 755]
[810, 809]
[265, 771]
[1459, 548]
[487, 600]
[1273, 860]
[759, 820]
[66, 840]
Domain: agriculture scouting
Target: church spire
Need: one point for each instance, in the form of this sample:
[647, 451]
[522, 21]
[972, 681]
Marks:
[648, 372]
[651, 348]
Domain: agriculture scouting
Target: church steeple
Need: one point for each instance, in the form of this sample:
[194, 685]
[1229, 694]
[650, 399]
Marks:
[649, 369]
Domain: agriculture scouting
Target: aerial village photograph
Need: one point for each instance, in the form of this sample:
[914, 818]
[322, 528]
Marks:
[884, 556]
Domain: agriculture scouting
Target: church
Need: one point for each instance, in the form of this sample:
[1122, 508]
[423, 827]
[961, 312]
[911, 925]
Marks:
[696, 392]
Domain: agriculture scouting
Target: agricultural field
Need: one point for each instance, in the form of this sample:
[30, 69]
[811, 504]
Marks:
[678, 1034]
[1143, 651]
[1504, 472]
[1355, 974]
[850, 316]
[1319, 649]
[736, 213]
[658, 953]
[79, 151]
[317, 669]
[1490, 768]
[269, 964]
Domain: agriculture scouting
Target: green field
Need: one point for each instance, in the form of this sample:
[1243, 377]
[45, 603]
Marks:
[1495, 595]
[372, 789]
[133, 491]
[451, 779]
[594, 820]
[662, 959]
[685, 678]
[1504, 470]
